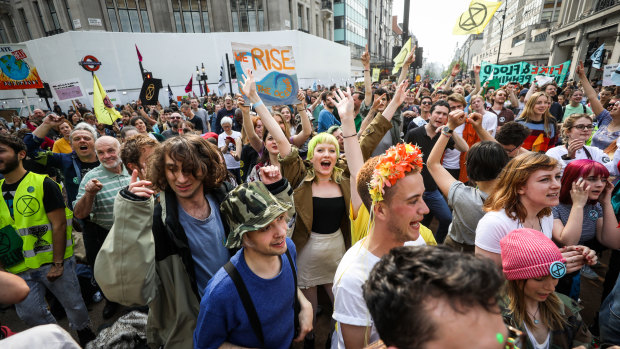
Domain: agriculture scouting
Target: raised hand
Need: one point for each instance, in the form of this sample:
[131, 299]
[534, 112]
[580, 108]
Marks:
[270, 174]
[379, 102]
[248, 85]
[456, 118]
[241, 104]
[410, 57]
[477, 69]
[365, 58]
[53, 120]
[606, 194]
[401, 92]
[579, 192]
[580, 71]
[456, 69]
[140, 187]
[344, 103]
[301, 96]
[573, 146]
[475, 119]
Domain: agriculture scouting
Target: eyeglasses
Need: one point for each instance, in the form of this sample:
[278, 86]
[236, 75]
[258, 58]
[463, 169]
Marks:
[175, 117]
[426, 103]
[508, 151]
[583, 127]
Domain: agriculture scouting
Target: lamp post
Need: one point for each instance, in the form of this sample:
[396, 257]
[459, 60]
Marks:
[201, 77]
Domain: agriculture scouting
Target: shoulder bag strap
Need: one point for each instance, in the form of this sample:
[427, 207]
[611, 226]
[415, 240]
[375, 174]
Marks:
[297, 305]
[246, 300]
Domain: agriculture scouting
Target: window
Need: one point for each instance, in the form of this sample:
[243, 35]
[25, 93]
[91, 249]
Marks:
[146, 24]
[37, 9]
[128, 15]
[191, 16]
[300, 11]
[3, 37]
[22, 14]
[247, 15]
[68, 13]
[53, 14]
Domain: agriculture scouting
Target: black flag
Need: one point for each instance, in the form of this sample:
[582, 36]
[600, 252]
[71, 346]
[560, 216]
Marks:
[149, 95]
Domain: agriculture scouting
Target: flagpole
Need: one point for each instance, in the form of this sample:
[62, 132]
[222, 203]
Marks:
[501, 32]
[229, 79]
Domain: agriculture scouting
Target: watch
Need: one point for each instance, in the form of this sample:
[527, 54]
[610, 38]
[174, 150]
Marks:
[446, 129]
[59, 264]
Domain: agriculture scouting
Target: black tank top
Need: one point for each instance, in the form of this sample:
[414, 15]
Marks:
[327, 214]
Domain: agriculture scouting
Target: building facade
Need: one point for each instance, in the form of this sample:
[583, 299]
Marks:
[519, 31]
[584, 26]
[22, 20]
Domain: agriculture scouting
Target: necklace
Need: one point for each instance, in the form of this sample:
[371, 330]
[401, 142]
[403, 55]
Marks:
[536, 322]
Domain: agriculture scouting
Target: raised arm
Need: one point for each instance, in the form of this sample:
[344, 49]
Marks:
[514, 102]
[477, 79]
[442, 177]
[47, 124]
[248, 127]
[476, 121]
[595, 104]
[607, 231]
[345, 105]
[533, 88]
[306, 126]
[568, 234]
[406, 64]
[249, 89]
[455, 70]
[367, 80]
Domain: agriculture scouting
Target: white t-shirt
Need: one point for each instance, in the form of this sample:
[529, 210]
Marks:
[596, 154]
[231, 163]
[349, 304]
[496, 224]
[451, 156]
[489, 122]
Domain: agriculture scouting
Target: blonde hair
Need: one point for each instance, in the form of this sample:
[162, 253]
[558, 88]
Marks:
[287, 131]
[324, 138]
[514, 177]
[528, 111]
[569, 122]
[550, 309]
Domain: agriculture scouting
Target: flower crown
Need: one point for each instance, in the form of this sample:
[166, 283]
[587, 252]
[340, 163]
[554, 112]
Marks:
[392, 166]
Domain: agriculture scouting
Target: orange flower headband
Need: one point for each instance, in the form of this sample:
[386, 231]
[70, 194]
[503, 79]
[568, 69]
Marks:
[392, 166]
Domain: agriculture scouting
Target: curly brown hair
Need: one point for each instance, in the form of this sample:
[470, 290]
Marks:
[133, 148]
[197, 156]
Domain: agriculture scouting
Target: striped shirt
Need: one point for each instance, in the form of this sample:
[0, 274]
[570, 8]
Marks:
[103, 205]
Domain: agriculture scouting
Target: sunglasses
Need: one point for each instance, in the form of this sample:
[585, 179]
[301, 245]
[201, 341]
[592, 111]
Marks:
[175, 117]
[426, 103]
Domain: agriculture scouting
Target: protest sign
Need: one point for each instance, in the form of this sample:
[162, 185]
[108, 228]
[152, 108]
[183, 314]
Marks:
[522, 72]
[611, 75]
[17, 71]
[149, 94]
[375, 74]
[67, 89]
[274, 71]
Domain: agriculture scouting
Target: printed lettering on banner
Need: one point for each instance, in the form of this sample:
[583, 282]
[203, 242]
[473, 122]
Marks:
[610, 75]
[17, 70]
[274, 71]
[67, 89]
[522, 72]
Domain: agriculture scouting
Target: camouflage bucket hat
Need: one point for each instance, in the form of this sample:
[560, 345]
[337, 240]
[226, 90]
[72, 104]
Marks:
[249, 207]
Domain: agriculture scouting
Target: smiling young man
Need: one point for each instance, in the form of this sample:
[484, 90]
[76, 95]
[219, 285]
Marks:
[425, 138]
[75, 165]
[165, 258]
[264, 266]
[397, 210]
[504, 114]
[95, 201]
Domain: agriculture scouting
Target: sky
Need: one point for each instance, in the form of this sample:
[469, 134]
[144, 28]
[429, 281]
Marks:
[431, 21]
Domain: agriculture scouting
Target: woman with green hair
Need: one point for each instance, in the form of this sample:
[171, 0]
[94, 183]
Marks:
[322, 195]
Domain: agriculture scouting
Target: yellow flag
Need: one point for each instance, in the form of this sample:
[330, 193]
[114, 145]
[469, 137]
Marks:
[400, 59]
[375, 74]
[476, 17]
[440, 83]
[104, 109]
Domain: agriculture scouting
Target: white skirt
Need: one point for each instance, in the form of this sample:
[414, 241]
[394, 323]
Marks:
[319, 259]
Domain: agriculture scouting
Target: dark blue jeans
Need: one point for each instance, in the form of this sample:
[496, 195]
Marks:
[439, 209]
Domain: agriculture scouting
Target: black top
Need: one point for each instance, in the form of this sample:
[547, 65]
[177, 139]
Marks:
[418, 136]
[327, 214]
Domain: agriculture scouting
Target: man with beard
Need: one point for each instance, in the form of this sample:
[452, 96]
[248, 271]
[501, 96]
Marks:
[97, 203]
[504, 114]
[228, 110]
[425, 107]
[175, 121]
[38, 243]
[186, 109]
[74, 166]
[326, 116]
[201, 114]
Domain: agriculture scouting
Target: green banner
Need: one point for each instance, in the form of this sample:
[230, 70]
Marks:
[522, 72]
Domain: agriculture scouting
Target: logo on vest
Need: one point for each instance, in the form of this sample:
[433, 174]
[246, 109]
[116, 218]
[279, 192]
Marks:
[27, 205]
[30, 189]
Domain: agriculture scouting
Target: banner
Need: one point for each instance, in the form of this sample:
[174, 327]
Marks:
[274, 71]
[17, 71]
[149, 94]
[67, 89]
[402, 55]
[597, 57]
[522, 72]
[104, 109]
[375, 74]
[477, 16]
[611, 75]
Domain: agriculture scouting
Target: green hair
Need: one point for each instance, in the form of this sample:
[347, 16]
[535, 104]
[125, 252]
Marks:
[324, 138]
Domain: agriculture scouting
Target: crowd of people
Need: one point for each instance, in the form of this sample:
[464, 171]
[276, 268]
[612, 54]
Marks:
[454, 215]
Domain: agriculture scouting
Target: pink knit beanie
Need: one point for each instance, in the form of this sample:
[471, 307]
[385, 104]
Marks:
[527, 254]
